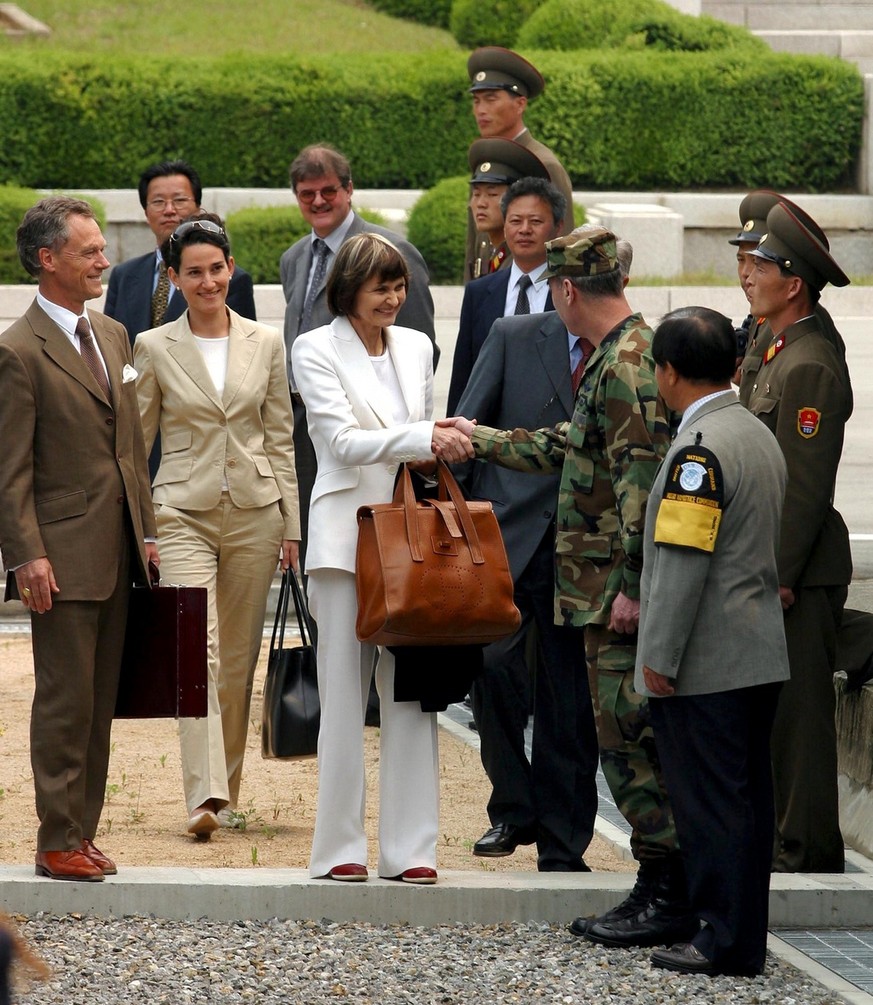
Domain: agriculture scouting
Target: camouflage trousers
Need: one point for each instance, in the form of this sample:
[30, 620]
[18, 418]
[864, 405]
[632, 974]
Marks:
[628, 756]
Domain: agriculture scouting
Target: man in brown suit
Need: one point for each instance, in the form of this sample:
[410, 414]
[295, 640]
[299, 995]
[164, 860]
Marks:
[76, 524]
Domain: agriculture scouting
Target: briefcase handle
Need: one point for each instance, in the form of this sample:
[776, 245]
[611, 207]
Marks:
[290, 586]
[154, 574]
[448, 490]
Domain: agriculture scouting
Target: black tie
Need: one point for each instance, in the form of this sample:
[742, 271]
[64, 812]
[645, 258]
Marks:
[522, 304]
[321, 251]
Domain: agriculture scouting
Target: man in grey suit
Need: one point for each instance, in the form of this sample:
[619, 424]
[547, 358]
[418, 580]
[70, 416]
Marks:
[523, 378]
[711, 654]
[321, 178]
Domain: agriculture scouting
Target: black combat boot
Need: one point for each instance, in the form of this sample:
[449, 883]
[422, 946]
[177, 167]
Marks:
[636, 901]
[664, 921]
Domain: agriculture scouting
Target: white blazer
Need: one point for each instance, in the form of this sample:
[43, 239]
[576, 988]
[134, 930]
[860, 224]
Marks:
[357, 446]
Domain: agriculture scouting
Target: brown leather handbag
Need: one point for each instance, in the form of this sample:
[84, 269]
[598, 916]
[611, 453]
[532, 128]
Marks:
[432, 571]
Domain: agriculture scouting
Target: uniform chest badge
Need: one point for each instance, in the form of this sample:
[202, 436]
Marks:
[808, 422]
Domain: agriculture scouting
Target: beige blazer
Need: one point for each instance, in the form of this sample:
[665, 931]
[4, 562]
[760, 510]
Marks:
[357, 443]
[73, 462]
[244, 435]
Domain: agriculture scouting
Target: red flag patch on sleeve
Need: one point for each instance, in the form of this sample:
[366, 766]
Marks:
[808, 422]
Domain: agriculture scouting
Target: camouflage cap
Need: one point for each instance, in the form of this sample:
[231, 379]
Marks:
[589, 254]
[753, 217]
[794, 246]
[493, 68]
[501, 162]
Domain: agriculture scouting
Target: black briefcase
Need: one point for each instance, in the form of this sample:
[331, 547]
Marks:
[163, 670]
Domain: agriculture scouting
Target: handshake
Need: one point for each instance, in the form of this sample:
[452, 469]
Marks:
[451, 439]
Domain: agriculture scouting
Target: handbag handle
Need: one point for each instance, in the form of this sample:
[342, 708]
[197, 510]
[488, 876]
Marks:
[448, 489]
[304, 618]
[290, 586]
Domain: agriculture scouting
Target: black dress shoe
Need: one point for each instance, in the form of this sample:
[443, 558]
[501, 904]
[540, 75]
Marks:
[684, 959]
[502, 840]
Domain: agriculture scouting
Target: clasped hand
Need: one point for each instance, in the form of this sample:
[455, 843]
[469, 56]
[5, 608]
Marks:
[451, 439]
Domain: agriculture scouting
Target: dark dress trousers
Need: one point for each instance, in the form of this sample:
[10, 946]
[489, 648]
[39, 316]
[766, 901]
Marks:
[484, 302]
[522, 379]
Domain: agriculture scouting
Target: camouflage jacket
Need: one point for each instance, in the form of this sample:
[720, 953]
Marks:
[608, 455]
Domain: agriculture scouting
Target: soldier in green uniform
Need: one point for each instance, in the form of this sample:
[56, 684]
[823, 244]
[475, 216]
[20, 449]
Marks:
[607, 456]
[798, 385]
[753, 225]
[495, 164]
[502, 83]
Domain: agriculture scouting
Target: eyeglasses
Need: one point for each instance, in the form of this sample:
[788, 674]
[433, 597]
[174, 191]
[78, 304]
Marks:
[329, 193]
[189, 225]
[180, 202]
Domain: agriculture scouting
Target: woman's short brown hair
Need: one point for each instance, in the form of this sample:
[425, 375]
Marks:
[360, 259]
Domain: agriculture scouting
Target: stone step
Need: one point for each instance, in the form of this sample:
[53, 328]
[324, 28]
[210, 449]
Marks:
[856, 46]
[815, 15]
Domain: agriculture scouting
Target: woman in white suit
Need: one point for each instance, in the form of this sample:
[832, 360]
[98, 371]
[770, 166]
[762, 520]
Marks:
[368, 389]
[225, 494]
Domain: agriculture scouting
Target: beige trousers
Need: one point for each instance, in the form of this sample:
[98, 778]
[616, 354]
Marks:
[234, 554]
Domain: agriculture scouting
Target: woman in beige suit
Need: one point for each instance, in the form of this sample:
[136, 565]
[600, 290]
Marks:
[225, 494]
[368, 389]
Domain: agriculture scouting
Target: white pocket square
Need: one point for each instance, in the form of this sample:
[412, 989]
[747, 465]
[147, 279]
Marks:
[128, 374]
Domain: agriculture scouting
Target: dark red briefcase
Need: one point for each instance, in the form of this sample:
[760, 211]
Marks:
[163, 671]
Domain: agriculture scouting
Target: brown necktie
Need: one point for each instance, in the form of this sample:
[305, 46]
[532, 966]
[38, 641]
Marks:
[576, 377]
[89, 353]
[161, 296]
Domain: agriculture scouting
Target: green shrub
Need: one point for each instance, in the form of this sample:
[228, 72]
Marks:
[615, 119]
[14, 203]
[259, 236]
[489, 22]
[652, 120]
[438, 228]
[433, 12]
[629, 24]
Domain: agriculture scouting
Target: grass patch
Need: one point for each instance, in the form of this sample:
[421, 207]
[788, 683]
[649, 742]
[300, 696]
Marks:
[220, 27]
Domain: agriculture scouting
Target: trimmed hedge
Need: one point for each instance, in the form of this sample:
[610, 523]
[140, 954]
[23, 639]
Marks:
[259, 237]
[489, 22]
[14, 203]
[630, 25]
[616, 120]
[432, 12]
[438, 228]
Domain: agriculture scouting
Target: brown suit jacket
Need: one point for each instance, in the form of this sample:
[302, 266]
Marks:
[73, 476]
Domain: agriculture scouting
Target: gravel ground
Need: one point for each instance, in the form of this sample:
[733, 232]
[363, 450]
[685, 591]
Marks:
[100, 962]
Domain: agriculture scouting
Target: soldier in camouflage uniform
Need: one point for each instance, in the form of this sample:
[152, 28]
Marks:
[607, 456]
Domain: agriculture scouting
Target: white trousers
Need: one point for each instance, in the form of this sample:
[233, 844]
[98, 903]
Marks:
[234, 554]
[408, 748]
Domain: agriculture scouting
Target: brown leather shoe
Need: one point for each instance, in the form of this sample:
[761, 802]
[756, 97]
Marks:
[73, 865]
[103, 862]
